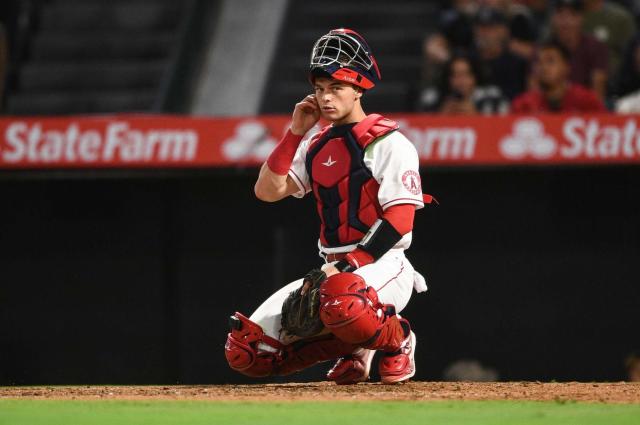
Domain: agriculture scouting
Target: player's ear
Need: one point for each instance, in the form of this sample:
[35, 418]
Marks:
[358, 93]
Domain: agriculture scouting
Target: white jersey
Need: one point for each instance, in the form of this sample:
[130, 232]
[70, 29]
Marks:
[393, 162]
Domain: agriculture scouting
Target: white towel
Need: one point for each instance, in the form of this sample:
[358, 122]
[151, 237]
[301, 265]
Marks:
[419, 283]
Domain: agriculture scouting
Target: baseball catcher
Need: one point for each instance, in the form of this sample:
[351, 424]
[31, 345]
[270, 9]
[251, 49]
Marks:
[363, 174]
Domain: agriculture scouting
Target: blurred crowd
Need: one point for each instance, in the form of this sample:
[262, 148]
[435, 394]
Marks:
[528, 56]
[503, 56]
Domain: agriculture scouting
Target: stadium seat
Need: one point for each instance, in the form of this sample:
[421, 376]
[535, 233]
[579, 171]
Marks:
[87, 56]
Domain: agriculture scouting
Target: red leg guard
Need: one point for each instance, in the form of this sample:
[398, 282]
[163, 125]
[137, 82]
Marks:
[390, 335]
[351, 311]
[241, 350]
[305, 353]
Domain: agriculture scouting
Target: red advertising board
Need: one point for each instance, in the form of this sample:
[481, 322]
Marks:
[123, 141]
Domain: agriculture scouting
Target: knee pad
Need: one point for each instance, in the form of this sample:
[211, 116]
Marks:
[352, 312]
[241, 348]
[349, 308]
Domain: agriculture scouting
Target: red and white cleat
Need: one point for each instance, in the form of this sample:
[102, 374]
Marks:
[399, 366]
[352, 369]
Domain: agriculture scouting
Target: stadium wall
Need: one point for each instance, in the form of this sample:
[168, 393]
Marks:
[110, 279]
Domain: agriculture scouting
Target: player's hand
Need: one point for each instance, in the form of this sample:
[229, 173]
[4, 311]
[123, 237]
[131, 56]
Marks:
[305, 115]
[330, 270]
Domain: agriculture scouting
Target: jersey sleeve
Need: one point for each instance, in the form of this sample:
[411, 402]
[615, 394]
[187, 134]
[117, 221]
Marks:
[394, 163]
[298, 170]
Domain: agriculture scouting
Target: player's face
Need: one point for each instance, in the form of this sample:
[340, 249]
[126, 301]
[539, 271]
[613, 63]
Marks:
[335, 98]
[552, 68]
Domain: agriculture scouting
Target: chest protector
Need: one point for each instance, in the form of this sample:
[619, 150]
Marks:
[344, 188]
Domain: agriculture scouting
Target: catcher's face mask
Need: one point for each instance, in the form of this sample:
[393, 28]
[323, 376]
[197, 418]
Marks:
[344, 55]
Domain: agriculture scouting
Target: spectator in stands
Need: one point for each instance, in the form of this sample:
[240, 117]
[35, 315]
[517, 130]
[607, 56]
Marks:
[522, 29]
[556, 93]
[589, 57]
[499, 66]
[454, 34]
[611, 24]
[461, 93]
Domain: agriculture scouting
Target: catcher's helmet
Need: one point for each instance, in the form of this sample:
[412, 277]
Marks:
[343, 54]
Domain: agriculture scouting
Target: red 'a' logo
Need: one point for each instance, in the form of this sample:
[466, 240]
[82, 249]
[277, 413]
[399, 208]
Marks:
[411, 182]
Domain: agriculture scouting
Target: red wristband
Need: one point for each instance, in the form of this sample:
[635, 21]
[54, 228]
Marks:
[282, 156]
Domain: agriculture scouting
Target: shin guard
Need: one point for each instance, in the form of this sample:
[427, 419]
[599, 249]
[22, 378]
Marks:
[243, 355]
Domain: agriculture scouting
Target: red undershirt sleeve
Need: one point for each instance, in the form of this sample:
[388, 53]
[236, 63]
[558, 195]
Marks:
[401, 217]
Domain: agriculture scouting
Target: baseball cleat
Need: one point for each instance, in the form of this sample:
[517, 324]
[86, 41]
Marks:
[352, 369]
[399, 366]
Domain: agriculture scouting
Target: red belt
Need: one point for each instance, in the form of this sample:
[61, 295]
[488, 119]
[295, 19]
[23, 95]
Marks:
[335, 257]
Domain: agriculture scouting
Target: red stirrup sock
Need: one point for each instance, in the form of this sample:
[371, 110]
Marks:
[282, 156]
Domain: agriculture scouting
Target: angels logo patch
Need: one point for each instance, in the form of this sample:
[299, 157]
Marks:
[411, 182]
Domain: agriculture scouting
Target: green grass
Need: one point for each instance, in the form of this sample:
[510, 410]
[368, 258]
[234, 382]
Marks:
[51, 412]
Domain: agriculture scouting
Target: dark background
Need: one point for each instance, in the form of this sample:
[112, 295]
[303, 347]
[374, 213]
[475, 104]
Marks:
[109, 278]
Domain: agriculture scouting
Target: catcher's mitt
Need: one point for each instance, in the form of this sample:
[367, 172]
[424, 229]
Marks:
[300, 311]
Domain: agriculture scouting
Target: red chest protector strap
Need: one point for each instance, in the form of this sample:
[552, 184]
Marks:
[372, 127]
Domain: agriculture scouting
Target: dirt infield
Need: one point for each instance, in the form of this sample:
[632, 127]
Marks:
[425, 391]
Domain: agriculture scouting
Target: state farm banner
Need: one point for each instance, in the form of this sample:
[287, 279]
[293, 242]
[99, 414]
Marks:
[122, 141]
[158, 141]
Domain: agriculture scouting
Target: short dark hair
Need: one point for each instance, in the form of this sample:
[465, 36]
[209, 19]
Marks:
[556, 45]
